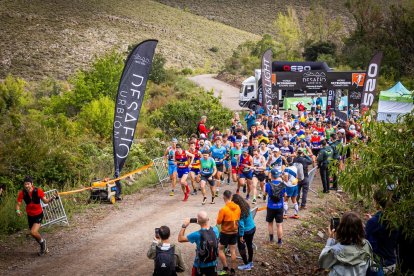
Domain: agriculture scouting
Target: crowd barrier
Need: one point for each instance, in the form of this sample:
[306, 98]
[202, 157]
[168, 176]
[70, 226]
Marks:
[311, 176]
[53, 212]
[161, 169]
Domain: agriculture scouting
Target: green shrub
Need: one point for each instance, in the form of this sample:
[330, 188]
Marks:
[187, 71]
[214, 49]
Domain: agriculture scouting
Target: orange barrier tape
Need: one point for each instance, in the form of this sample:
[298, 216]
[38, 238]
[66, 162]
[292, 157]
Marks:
[75, 191]
[103, 183]
[262, 208]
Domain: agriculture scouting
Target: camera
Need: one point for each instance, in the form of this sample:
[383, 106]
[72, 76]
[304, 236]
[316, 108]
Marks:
[157, 233]
[193, 220]
[334, 223]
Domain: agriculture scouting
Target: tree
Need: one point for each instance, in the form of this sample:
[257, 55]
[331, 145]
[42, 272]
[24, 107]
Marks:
[385, 162]
[158, 73]
[312, 52]
[289, 35]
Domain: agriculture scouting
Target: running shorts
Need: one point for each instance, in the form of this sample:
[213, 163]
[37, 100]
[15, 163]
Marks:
[248, 175]
[172, 168]
[196, 171]
[260, 176]
[274, 214]
[34, 219]
[205, 178]
[292, 191]
[182, 171]
[228, 239]
[220, 167]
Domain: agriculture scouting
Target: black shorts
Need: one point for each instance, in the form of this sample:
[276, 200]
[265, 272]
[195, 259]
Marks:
[205, 178]
[260, 176]
[274, 214]
[220, 167]
[228, 239]
[34, 219]
[204, 271]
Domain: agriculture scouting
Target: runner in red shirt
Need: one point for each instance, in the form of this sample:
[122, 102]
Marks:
[32, 196]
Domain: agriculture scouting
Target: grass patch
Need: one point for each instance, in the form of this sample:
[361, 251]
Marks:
[145, 180]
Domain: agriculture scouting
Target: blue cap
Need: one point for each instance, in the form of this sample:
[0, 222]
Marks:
[275, 173]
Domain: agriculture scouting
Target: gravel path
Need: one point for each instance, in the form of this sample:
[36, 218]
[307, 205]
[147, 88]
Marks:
[229, 94]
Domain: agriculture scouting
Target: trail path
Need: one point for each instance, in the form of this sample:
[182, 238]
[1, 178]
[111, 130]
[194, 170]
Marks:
[229, 94]
[114, 239]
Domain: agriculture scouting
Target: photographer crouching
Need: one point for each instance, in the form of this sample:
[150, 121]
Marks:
[167, 257]
[206, 240]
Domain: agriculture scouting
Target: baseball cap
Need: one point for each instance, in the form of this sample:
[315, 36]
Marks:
[275, 173]
[352, 127]
[174, 140]
[275, 149]
[315, 132]
[206, 151]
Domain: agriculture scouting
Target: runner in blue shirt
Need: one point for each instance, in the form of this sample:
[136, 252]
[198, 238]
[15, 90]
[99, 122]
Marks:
[218, 152]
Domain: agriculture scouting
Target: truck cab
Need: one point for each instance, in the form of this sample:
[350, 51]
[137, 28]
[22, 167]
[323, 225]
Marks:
[248, 93]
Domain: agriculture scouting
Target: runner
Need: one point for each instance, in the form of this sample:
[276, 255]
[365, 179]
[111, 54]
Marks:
[208, 171]
[290, 179]
[172, 167]
[195, 167]
[259, 167]
[245, 172]
[32, 197]
[275, 205]
[235, 153]
[228, 145]
[183, 168]
[218, 152]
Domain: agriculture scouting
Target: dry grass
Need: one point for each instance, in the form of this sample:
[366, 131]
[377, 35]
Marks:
[54, 38]
[257, 16]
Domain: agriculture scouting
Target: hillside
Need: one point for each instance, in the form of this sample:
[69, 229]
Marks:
[257, 16]
[54, 38]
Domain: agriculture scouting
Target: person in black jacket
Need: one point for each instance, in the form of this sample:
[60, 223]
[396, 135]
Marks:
[303, 185]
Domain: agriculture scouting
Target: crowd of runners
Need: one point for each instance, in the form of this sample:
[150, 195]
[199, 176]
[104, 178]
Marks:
[245, 153]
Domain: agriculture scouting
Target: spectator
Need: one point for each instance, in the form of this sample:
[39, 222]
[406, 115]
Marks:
[346, 252]
[303, 185]
[247, 228]
[228, 217]
[167, 257]
[323, 159]
[206, 233]
[202, 129]
[300, 106]
[381, 236]
[250, 118]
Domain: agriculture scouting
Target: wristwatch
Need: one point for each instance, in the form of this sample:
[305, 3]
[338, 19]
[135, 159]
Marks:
[183, 226]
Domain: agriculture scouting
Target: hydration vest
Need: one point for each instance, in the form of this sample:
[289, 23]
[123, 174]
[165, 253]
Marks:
[35, 199]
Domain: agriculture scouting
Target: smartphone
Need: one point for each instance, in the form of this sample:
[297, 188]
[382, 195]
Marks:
[193, 220]
[334, 223]
[157, 233]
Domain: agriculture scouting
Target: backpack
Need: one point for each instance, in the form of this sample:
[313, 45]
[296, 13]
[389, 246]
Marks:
[35, 197]
[276, 190]
[207, 252]
[300, 174]
[164, 262]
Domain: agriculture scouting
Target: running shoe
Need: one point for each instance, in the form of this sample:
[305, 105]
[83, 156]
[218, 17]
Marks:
[43, 248]
[295, 216]
[264, 197]
[194, 192]
[259, 195]
[244, 188]
[223, 272]
[186, 196]
[251, 264]
[212, 202]
[217, 194]
[172, 193]
[247, 197]
[204, 201]
[254, 201]
[280, 244]
[245, 267]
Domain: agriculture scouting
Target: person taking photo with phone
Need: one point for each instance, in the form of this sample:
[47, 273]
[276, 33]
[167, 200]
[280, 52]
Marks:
[206, 240]
[167, 257]
[346, 252]
[32, 196]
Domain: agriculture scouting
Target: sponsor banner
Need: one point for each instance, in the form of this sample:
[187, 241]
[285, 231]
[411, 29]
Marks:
[129, 99]
[318, 80]
[266, 81]
[330, 102]
[354, 99]
[370, 83]
[299, 66]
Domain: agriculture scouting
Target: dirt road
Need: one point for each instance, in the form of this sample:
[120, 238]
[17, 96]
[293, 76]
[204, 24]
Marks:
[114, 239]
[229, 94]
